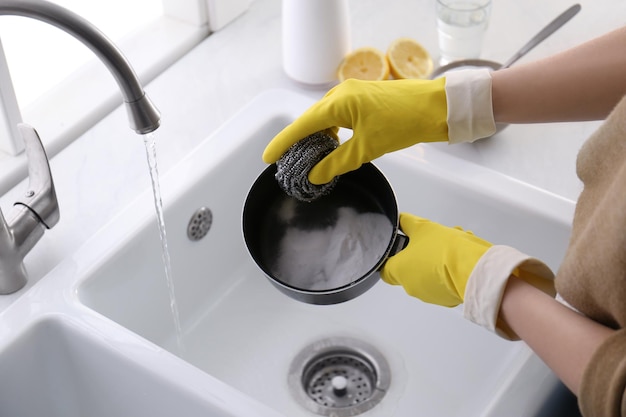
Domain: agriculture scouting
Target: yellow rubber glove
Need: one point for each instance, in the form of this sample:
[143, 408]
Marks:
[437, 263]
[384, 115]
[449, 266]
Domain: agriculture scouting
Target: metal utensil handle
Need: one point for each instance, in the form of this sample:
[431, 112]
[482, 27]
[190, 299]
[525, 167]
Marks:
[544, 33]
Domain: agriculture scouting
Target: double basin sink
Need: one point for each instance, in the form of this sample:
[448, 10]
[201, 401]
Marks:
[97, 335]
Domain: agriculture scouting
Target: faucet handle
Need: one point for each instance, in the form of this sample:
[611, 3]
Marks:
[41, 196]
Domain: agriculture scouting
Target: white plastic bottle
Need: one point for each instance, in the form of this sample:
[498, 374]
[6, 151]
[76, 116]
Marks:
[316, 37]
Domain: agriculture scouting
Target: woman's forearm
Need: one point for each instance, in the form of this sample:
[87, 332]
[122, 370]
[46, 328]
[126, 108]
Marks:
[582, 83]
[564, 339]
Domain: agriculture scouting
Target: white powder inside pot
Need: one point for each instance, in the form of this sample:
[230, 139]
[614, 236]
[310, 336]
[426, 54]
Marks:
[323, 259]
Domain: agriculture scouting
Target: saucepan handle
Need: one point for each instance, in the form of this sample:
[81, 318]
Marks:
[399, 243]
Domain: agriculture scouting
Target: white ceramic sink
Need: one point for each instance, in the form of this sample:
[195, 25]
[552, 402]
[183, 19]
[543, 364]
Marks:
[237, 328]
[58, 369]
[101, 323]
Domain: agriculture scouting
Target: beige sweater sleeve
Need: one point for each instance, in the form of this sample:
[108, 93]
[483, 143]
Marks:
[604, 381]
[592, 276]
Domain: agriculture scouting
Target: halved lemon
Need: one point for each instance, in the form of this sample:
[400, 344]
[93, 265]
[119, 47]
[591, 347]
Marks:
[409, 59]
[366, 63]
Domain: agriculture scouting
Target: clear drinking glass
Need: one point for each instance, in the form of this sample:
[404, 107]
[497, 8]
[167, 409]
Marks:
[461, 25]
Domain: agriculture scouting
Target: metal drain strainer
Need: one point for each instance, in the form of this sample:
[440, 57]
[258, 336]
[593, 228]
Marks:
[339, 377]
[200, 223]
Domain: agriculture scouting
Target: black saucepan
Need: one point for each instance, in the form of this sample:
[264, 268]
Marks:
[326, 251]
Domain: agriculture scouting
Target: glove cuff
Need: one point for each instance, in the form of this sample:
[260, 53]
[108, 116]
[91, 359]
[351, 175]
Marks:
[470, 110]
[487, 282]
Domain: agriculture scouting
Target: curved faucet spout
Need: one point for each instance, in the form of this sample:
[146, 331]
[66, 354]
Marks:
[143, 115]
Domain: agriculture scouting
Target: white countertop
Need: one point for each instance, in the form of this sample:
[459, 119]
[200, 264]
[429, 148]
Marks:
[105, 169]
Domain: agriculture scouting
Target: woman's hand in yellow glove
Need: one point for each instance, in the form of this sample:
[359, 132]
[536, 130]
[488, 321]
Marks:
[449, 266]
[437, 263]
[384, 116]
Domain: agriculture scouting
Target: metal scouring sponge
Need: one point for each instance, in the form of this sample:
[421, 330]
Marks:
[292, 169]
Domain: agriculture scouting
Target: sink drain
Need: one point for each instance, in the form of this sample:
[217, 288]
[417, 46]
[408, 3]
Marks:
[339, 377]
[199, 224]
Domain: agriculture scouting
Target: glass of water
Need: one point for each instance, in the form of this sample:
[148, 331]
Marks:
[461, 25]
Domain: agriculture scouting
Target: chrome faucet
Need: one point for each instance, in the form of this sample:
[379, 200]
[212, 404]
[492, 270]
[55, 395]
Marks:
[39, 209]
